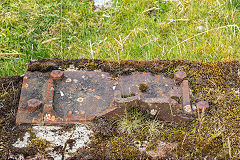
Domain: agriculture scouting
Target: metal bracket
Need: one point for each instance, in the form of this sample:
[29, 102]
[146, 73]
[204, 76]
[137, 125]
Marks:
[62, 97]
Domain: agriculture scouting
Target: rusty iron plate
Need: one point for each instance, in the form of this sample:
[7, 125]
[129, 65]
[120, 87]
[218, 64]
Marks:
[62, 97]
[78, 96]
[159, 95]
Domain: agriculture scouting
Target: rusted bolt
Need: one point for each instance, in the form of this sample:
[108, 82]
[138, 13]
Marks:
[179, 76]
[33, 105]
[57, 75]
[202, 105]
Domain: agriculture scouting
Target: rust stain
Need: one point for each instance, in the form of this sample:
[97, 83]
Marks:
[68, 80]
[80, 99]
[49, 117]
[90, 118]
[82, 112]
[82, 119]
[73, 88]
[24, 84]
[98, 97]
[186, 97]
[47, 107]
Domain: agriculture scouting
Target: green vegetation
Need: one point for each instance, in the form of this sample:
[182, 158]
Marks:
[39, 145]
[205, 30]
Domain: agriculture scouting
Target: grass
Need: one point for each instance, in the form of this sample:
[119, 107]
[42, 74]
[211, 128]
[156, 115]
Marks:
[136, 29]
[207, 136]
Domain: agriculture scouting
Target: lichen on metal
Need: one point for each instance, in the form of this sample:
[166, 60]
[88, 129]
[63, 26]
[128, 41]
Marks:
[62, 97]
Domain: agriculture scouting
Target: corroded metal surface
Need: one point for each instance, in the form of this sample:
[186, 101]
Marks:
[62, 97]
[162, 97]
[77, 97]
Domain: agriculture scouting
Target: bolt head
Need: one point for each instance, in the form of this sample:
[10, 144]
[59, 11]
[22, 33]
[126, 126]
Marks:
[57, 75]
[179, 76]
[203, 105]
[33, 105]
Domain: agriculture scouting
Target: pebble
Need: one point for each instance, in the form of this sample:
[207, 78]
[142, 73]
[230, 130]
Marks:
[201, 28]
[103, 3]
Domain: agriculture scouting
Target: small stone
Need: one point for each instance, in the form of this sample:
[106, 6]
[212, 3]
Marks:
[200, 28]
[102, 3]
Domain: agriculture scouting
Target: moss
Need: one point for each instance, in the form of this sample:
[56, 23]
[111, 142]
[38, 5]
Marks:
[143, 87]
[39, 145]
[42, 67]
[108, 143]
[115, 147]
[9, 95]
[91, 65]
[126, 96]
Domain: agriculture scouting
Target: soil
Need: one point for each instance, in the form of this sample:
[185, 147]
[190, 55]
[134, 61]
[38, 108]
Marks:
[217, 82]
